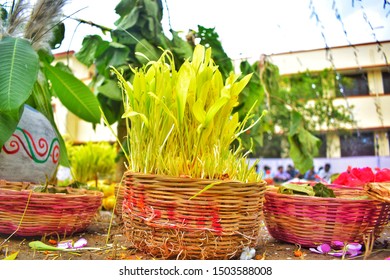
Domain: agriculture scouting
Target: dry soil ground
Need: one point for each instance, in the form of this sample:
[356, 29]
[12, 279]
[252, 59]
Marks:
[118, 247]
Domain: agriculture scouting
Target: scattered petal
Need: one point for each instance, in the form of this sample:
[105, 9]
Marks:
[82, 242]
[354, 253]
[324, 248]
[353, 246]
[337, 244]
[388, 259]
[248, 253]
[336, 253]
[67, 244]
[315, 251]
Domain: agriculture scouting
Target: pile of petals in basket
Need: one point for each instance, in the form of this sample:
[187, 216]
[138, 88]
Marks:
[355, 177]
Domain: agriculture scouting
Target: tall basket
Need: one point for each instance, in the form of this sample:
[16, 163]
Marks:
[162, 220]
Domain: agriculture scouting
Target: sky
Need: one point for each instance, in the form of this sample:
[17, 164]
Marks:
[249, 28]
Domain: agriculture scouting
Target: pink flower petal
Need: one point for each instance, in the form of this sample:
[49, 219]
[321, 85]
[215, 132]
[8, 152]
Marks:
[67, 244]
[82, 242]
[354, 253]
[336, 254]
[338, 244]
[353, 246]
[324, 248]
[315, 251]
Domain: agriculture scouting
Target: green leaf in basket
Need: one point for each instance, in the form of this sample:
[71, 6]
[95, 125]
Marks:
[323, 191]
[296, 189]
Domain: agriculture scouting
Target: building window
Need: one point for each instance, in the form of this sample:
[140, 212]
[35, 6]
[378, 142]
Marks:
[386, 82]
[322, 150]
[353, 85]
[357, 144]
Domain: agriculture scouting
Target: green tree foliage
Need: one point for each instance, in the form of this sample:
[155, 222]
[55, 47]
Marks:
[298, 106]
[139, 38]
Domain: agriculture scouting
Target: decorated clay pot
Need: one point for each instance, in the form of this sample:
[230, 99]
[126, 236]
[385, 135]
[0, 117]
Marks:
[32, 152]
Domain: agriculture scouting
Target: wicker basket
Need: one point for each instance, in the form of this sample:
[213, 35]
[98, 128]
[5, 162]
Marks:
[24, 212]
[161, 220]
[310, 221]
[119, 192]
[379, 191]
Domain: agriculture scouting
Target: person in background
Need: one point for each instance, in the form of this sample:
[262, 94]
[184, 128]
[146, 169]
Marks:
[311, 175]
[325, 174]
[267, 176]
[281, 176]
[257, 168]
[292, 171]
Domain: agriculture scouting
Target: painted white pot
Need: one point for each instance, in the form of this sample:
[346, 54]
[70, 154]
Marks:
[32, 153]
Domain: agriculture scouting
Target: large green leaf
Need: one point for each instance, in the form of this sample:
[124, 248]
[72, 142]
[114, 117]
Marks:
[130, 19]
[92, 47]
[111, 90]
[115, 55]
[18, 72]
[124, 6]
[74, 94]
[303, 145]
[8, 123]
[58, 35]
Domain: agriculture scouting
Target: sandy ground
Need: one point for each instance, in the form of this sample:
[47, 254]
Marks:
[116, 247]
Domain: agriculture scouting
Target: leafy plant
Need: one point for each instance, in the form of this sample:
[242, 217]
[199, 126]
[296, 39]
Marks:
[180, 122]
[91, 160]
[27, 75]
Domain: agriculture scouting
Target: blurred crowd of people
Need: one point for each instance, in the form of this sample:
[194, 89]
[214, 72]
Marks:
[282, 175]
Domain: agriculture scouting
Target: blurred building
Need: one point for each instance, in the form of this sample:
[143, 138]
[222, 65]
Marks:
[367, 68]
[368, 94]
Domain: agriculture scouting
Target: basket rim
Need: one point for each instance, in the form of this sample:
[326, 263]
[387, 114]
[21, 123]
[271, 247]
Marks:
[189, 179]
[272, 190]
[22, 188]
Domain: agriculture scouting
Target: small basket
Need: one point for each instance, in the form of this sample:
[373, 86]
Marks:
[24, 212]
[309, 221]
[161, 219]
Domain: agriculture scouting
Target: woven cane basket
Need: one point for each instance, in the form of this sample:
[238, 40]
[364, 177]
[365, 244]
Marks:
[24, 212]
[161, 220]
[309, 221]
[119, 192]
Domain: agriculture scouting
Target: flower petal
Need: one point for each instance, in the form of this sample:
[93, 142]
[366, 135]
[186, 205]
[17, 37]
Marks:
[247, 253]
[354, 253]
[82, 242]
[336, 253]
[67, 244]
[315, 251]
[337, 244]
[325, 248]
[353, 246]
